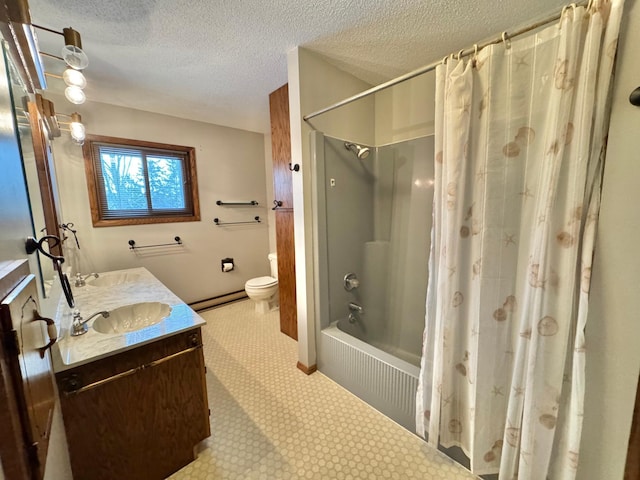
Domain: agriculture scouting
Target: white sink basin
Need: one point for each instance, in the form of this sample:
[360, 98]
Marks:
[111, 279]
[132, 317]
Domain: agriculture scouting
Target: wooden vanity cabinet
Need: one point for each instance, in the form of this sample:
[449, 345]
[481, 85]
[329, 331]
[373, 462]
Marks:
[138, 414]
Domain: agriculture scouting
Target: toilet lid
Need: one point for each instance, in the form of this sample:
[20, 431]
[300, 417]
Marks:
[262, 282]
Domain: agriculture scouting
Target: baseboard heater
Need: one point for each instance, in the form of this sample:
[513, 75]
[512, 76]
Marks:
[219, 300]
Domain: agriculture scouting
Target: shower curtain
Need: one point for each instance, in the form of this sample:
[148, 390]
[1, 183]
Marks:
[520, 139]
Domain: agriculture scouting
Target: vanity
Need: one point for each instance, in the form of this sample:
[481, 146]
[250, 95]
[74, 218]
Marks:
[132, 388]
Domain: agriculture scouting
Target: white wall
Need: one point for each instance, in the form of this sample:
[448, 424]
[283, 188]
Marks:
[613, 328]
[314, 84]
[406, 110]
[271, 215]
[230, 165]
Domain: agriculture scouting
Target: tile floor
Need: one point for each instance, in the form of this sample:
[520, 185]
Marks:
[271, 421]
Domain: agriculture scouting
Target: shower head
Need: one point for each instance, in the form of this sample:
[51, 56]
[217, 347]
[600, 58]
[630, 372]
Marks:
[361, 152]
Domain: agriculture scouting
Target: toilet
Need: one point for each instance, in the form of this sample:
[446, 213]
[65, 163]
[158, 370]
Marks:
[263, 290]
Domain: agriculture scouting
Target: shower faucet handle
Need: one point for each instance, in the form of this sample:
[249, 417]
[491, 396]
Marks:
[351, 281]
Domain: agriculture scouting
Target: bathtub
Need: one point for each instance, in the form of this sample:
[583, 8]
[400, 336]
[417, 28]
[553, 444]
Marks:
[384, 380]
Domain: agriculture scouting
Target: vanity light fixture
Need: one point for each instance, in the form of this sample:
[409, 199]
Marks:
[75, 95]
[74, 78]
[75, 81]
[72, 53]
[76, 128]
[54, 129]
[78, 132]
[76, 59]
[47, 110]
[17, 29]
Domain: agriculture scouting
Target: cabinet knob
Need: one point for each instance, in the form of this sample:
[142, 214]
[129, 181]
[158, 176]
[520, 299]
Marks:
[71, 383]
[194, 340]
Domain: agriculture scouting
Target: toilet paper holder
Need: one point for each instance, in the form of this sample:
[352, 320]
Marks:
[226, 264]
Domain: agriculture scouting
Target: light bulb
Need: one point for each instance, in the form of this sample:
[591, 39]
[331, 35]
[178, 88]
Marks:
[74, 78]
[78, 132]
[75, 57]
[75, 95]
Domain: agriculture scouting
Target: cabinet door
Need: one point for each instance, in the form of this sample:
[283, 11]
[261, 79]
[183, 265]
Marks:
[281, 146]
[137, 415]
[283, 191]
[286, 273]
[26, 342]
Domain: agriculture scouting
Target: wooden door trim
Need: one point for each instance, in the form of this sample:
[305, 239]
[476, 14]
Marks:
[44, 167]
[307, 370]
[632, 468]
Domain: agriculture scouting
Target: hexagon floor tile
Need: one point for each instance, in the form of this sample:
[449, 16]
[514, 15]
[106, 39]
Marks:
[271, 421]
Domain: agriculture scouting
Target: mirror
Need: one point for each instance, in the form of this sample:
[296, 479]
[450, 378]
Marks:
[39, 171]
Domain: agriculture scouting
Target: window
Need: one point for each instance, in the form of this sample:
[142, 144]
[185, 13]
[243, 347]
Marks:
[133, 182]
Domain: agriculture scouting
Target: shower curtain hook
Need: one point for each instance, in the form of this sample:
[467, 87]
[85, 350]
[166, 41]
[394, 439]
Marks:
[506, 41]
[474, 61]
[562, 16]
[571, 6]
[444, 60]
[459, 55]
[573, 9]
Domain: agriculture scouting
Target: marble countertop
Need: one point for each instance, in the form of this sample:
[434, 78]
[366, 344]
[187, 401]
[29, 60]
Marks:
[69, 352]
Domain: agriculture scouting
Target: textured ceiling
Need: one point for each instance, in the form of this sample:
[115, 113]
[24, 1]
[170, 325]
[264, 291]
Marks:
[217, 60]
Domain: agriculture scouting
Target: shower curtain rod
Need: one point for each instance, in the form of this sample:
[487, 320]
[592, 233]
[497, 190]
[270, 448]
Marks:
[427, 68]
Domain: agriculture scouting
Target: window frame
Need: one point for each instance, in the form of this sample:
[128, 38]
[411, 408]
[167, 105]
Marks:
[95, 185]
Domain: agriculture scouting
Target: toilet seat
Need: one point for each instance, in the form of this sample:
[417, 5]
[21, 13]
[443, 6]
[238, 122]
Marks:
[261, 282]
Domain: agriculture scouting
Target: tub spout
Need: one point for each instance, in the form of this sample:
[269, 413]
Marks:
[355, 308]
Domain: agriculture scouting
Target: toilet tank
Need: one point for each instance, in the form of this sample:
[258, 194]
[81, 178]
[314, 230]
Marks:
[273, 260]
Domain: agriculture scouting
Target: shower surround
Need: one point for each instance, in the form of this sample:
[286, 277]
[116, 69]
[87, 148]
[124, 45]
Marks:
[374, 220]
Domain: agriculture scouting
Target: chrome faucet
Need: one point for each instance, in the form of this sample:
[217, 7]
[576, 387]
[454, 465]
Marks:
[355, 308]
[355, 311]
[79, 325]
[80, 280]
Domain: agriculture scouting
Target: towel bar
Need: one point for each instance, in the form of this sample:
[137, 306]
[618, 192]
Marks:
[219, 223]
[249, 203]
[133, 246]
